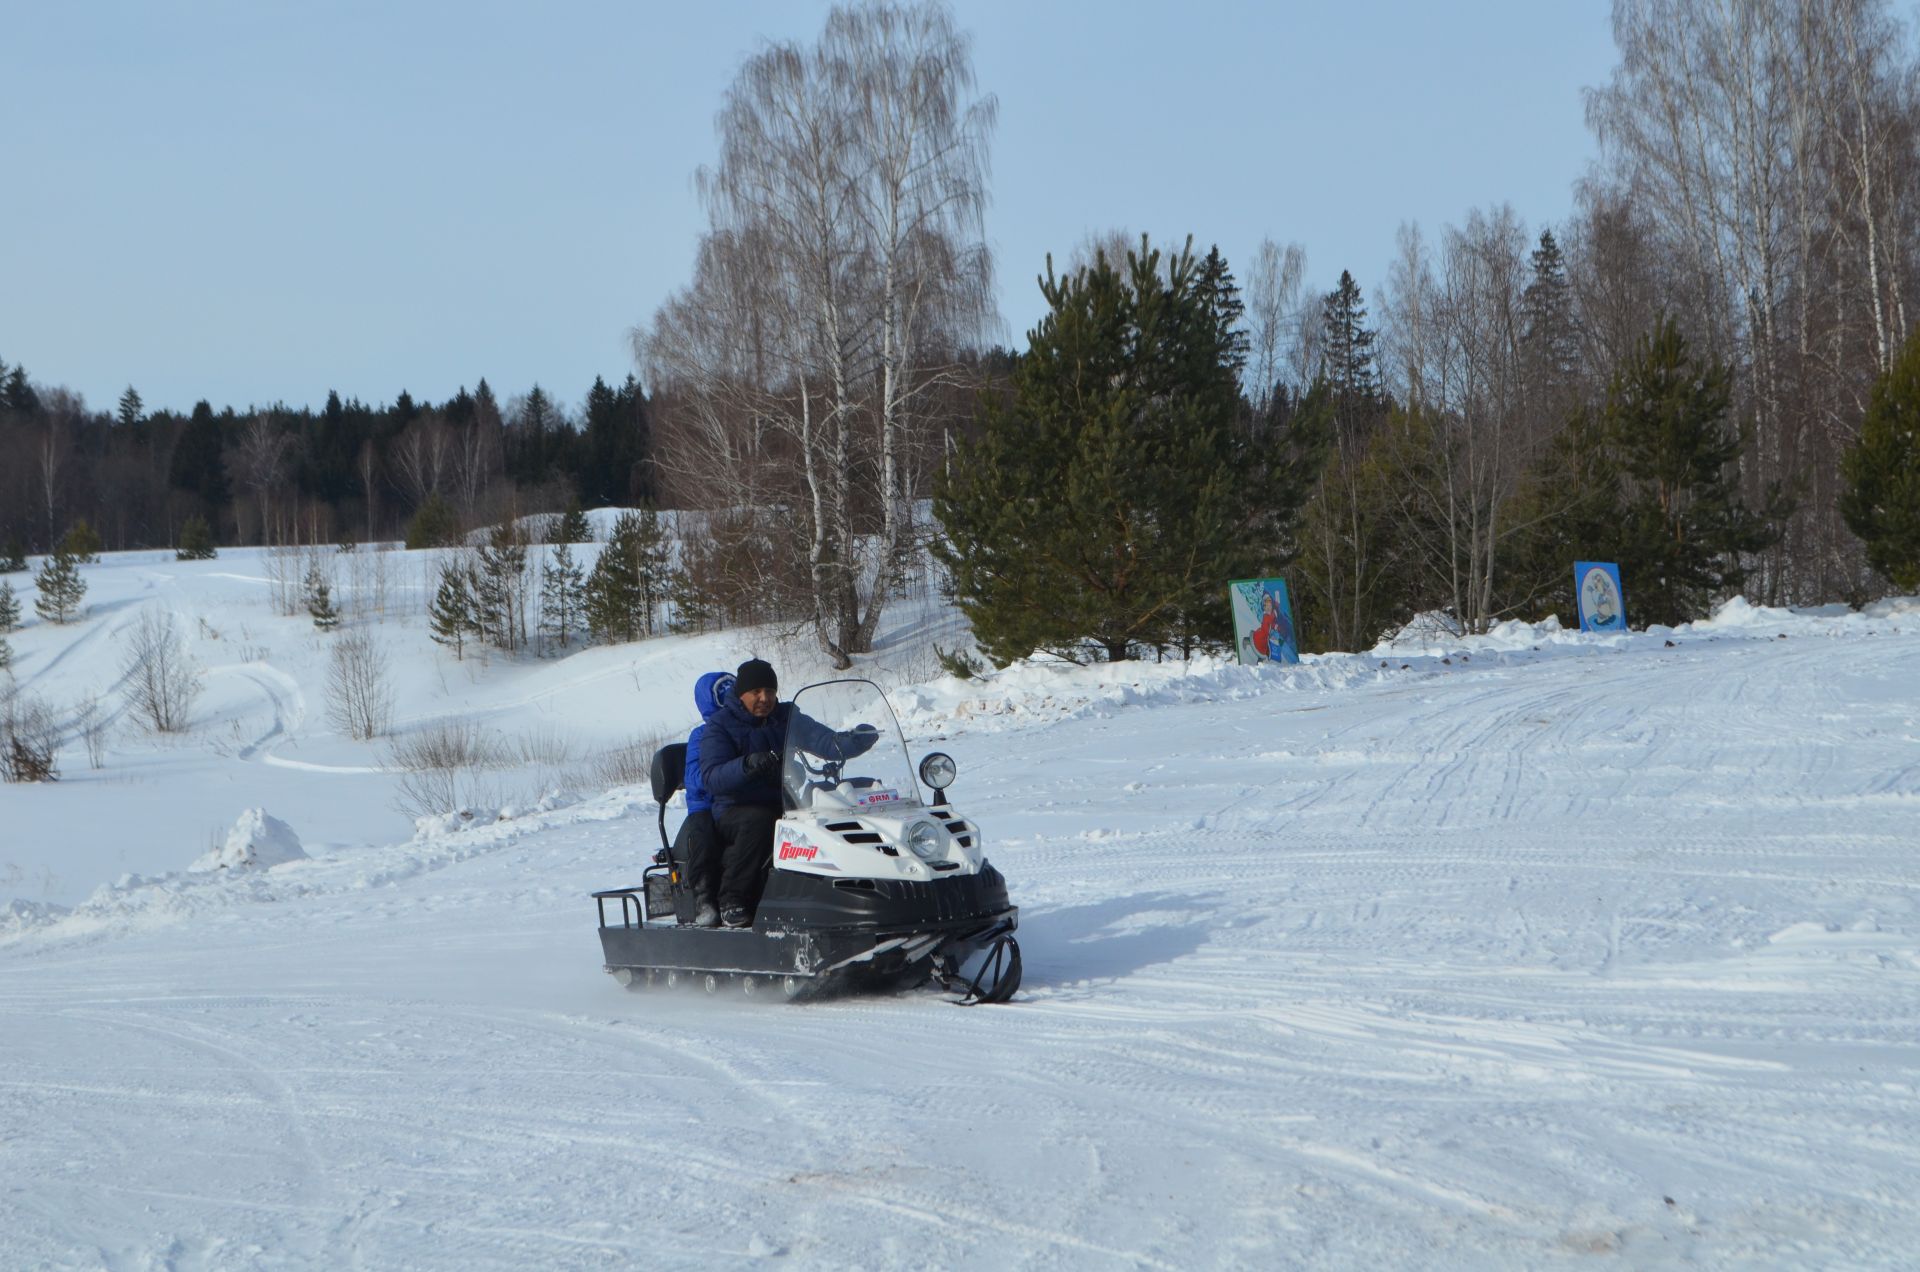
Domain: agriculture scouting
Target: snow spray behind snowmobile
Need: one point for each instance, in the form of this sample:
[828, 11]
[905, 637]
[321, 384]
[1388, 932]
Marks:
[870, 885]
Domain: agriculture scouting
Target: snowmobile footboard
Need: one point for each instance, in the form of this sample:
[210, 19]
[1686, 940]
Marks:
[649, 947]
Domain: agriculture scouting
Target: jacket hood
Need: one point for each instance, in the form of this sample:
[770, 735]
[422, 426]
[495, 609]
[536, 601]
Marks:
[710, 692]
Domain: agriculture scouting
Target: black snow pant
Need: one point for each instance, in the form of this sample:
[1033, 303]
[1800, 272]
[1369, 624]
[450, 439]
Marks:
[696, 847]
[746, 848]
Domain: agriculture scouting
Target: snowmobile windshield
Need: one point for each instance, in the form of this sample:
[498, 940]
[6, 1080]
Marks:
[844, 750]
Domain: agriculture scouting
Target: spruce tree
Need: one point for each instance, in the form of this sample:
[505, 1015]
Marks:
[196, 541]
[6, 654]
[1546, 311]
[130, 408]
[320, 599]
[13, 558]
[450, 616]
[1101, 509]
[1346, 351]
[198, 463]
[563, 586]
[61, 588]
[17, 396]
[1882, 472]
[9, 608]
[1684, 526]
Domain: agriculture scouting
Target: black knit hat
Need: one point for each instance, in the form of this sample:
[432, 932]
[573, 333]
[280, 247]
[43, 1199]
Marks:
[755, 673]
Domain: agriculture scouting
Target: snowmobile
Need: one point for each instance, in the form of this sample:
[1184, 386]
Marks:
[870, 885]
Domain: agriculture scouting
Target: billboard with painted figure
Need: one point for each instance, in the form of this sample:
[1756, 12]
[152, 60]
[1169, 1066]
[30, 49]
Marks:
[1603, 606]
[1262, 621]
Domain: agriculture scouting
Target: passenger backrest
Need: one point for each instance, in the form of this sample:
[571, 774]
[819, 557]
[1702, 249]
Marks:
[669, 771]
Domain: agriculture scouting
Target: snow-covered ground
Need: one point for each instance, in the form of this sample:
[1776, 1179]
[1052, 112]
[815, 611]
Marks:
[1518, 951]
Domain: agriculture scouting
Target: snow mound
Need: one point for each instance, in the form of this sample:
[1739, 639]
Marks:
[17, 915]
[258, 839]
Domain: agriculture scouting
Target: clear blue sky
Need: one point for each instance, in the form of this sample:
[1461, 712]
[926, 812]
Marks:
[253, 201]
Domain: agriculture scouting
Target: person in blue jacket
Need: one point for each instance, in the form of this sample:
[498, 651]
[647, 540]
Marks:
[740, 747]
[696, 844]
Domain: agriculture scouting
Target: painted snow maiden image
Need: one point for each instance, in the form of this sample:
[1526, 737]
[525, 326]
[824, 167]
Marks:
[1263, 621]
[1597, 586]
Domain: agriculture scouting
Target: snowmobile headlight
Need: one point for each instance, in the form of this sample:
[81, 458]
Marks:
[937, 770]
[923, 841]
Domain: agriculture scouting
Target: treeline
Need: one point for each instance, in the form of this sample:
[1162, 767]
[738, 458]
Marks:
[1671, 378]
[1697, 374]
[280, 475]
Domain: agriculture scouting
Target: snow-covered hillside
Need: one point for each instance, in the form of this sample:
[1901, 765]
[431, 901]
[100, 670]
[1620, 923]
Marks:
[1508, 952]
[261, 736]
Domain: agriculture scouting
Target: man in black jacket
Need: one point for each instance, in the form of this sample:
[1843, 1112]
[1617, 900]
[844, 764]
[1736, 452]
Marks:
[739, 760]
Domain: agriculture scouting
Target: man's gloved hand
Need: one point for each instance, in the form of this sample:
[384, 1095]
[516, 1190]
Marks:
[760, 764]
[859, 740]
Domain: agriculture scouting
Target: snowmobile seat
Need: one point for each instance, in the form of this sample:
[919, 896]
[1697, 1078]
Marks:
[667, 892]
[669, 771]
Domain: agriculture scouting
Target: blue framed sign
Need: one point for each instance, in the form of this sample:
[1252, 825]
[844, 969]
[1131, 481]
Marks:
[1603, 605]
[1262, 621]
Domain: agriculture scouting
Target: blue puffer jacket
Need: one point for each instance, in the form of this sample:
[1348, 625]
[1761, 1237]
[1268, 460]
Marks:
[731, 734]
[708, 693]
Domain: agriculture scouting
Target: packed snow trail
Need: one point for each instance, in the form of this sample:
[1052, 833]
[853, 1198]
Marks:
[1606, 954]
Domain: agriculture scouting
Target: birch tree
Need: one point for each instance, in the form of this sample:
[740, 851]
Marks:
[843, 272]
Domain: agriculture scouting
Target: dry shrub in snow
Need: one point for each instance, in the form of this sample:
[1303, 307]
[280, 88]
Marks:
[161, 677]
[359, 699]
[444, 768]
[630, 764]
[29, 736]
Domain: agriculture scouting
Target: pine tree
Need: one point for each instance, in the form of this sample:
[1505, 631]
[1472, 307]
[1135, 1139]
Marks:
[434, 525]
[1684, 526]
[320, 599]
[6, 654]
[9, 608]
[450, 617]
[1103, 508]
[619, 591]
[61, 588]
[196, 541]
[130, 407]
[499, 604]
[1882, 472]
[81, 543]
[652, 558]
[563, 587]
[13, 558]
[573, 527]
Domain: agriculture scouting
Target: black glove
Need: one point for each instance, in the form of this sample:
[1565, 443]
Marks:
[760, 764]
[858, 740]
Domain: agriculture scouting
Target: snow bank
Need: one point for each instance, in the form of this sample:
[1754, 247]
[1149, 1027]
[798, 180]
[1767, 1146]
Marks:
[1042, 689]
[137, 901]
[258, 840]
